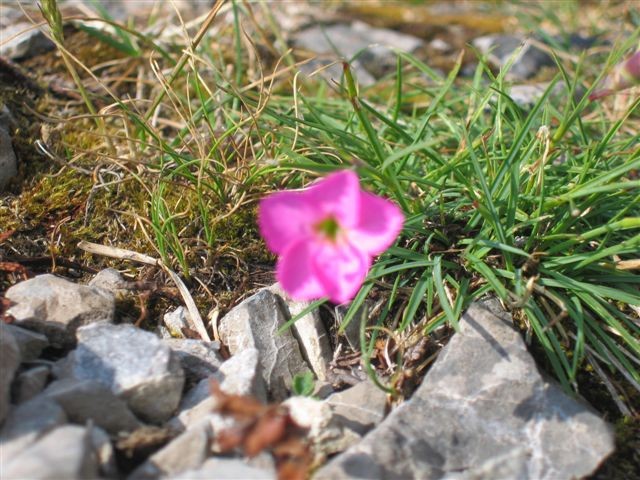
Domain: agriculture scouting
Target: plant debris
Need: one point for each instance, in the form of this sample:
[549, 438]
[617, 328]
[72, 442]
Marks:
[264, 428]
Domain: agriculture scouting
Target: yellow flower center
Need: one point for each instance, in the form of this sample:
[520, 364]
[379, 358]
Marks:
[328, 228]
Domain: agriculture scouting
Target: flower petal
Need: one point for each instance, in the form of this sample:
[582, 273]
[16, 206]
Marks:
[341, 269]
[337, 195]
[379, 224]
[295, 273]
[284, 218]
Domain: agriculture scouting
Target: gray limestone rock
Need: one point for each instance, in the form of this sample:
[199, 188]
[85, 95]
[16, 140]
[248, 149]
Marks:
[30, 343]
[194, 396]
[500, 49]
[111, 280]
[30, 383]
[238, 376]
[64, 453]
[176, 321]
[360, 407]
[196, 406]
[135, 365]
[483, 407]
[104, 452]
[22, 40]
[510, 465]
[326, 431]
[439, 45]
[7, 120]
[89, 400]
[217, 468]
[254, 324]
[57, 307]
[164, 333]
[310, 332]
[187, 451]
[323, 390]
[199, 359]
[125, 11]
[351, 330]
[26, 423]
[526, 96]
[9, 15]
[9, 362]
[293, 16]
[8, 160]
[374, 47]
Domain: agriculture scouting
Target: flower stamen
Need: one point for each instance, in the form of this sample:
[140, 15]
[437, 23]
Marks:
[329, 228]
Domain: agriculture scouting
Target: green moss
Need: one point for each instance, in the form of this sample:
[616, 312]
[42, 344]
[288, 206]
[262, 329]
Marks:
[238, 230]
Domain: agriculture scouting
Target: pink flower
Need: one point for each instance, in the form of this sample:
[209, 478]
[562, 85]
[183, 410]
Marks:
[327, 235]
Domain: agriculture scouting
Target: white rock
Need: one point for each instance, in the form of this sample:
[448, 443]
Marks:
[196, 408]
[177, 320]
[134, 364]
[57, 307]
[526, 96]
[440, 45]
[226, 469]
[373, 46]
[110, 279]
[89, 400]
[30, 383]
[351, 330]
[327, 432]
[64, 453]
[239, 375]
[22, 39]
[362, 406]
[512, 464]
[104, 452]
[310, 332]
[26, 423]
[194, 396]
[199, 359]
[7, 120]
[483, 408]
[29, 343]
[9, 15]
[187, 451]
[254, 324]
[9, 362]
[526, 57]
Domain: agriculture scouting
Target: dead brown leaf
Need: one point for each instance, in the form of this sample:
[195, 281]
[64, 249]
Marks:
[5, 235]
[264, 428]
[5, 303]
[13, 267]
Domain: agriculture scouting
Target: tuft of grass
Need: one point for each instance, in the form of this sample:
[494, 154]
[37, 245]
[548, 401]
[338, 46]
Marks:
[539, 207]
[53, 17]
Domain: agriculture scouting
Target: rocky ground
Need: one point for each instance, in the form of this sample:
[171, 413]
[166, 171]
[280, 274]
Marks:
[123, 402]
[86, 393]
